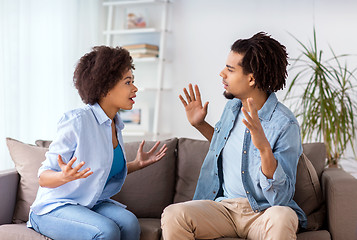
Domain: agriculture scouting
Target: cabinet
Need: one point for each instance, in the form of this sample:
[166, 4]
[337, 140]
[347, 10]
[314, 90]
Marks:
[149, 73]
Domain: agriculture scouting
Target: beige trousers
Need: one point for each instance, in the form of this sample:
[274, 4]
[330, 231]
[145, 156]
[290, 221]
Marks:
[206, 219]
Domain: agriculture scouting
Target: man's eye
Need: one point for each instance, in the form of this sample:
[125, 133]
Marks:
[230, 70]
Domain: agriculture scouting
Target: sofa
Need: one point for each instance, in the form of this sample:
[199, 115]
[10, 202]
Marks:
[327, 195]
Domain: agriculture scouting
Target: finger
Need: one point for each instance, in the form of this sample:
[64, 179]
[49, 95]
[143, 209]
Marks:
[246, 114]
[183, 101]
[141, 146]
[153, 149]
[205, 107]
[193, 98]
[253, 110]
[84, 173]
[87, 175]
[187, 95]
[60, 162]
[247, 124]
[79, 166]
[198, 94]
[164, 147]
[160, 156]
[70, 163]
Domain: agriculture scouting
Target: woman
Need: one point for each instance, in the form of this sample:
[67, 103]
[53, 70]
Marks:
[85, 164]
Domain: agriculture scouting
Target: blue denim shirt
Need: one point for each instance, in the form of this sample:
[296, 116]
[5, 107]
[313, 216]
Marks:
[283, 133]
[84, 133]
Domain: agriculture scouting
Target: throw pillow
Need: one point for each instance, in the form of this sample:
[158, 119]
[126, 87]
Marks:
[148, 191]
[27, 159]
[308, 194]
[190, 156]
[43, 143]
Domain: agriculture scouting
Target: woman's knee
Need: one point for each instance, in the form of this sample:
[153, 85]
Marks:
[130, 227]
[108, 230]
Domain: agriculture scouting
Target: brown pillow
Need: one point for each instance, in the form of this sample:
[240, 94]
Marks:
[308, 194]
[27, 159]
[148, 191]
[190, 155]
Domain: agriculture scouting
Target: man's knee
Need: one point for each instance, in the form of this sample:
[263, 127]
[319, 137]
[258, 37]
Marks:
[282, 214]
[173, 212]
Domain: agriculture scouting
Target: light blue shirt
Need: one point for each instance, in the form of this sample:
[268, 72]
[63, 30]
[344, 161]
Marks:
[283, 133]
[232, 161]
[84, 133]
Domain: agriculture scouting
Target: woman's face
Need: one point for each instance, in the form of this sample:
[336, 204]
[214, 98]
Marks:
[122, 94]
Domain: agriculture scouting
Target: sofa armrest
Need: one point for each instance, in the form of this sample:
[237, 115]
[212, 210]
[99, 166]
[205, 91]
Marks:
[340, 191]
[9, 180]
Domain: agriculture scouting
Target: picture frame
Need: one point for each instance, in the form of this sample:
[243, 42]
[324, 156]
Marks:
[136, 119]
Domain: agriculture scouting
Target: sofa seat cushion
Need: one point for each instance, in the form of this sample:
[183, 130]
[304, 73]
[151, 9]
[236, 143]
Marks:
[148, 191]
[19, 232]
[150, 228]
[27, 159]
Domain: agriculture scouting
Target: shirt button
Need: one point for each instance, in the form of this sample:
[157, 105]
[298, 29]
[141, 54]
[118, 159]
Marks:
[216, 155]
[247, 131]
[247, 192]
[225, 138]
[214, 192]
[244, 152]
[256, 211]
[243, 172]
[216, 129]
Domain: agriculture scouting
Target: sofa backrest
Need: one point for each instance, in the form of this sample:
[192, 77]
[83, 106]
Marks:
[148, 191]
[190, 156]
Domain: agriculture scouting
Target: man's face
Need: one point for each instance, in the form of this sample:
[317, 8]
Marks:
[236, 83]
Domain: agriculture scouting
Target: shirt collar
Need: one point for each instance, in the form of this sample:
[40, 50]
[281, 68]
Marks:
[265, 112]
[268, 108]
[102, 117]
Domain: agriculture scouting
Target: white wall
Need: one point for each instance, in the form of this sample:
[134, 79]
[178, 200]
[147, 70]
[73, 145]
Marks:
[203, 31]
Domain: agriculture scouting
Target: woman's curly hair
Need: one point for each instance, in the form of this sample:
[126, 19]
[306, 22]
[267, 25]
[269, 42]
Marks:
[266, 58]
[98, 71]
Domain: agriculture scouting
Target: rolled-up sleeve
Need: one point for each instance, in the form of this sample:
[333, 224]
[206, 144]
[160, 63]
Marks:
[64, 144]
[287, 150]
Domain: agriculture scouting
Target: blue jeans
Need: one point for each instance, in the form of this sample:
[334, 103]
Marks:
[104, 221]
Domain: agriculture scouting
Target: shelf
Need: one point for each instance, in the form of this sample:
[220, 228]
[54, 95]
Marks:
[153, 89]
[132, 3]
[147, 59]
[132, 31]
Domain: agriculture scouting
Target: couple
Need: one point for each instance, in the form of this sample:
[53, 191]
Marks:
[247, 180]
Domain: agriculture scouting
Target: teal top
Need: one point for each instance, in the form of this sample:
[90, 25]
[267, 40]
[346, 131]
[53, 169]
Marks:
[118, 162]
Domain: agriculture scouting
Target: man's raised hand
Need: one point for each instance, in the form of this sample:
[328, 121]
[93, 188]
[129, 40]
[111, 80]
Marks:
[195, 112]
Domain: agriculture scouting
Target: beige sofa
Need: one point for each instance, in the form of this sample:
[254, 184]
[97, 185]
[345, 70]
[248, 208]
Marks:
[331, 206]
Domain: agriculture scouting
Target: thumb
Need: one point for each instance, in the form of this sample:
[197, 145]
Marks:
[60, 161]
[205, 107]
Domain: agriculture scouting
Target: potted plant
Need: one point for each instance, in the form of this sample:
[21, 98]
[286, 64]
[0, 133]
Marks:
[325, 106]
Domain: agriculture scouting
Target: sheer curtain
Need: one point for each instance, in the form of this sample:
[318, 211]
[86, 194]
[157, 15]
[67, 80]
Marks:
[40, 43]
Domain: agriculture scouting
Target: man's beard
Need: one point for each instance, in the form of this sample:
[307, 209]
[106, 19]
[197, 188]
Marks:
[228, 95]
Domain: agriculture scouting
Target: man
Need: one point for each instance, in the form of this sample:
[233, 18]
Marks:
[247, 181]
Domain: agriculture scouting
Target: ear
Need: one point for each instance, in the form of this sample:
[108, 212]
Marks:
[251, 80]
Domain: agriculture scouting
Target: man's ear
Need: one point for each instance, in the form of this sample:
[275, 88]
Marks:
[251, 80]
